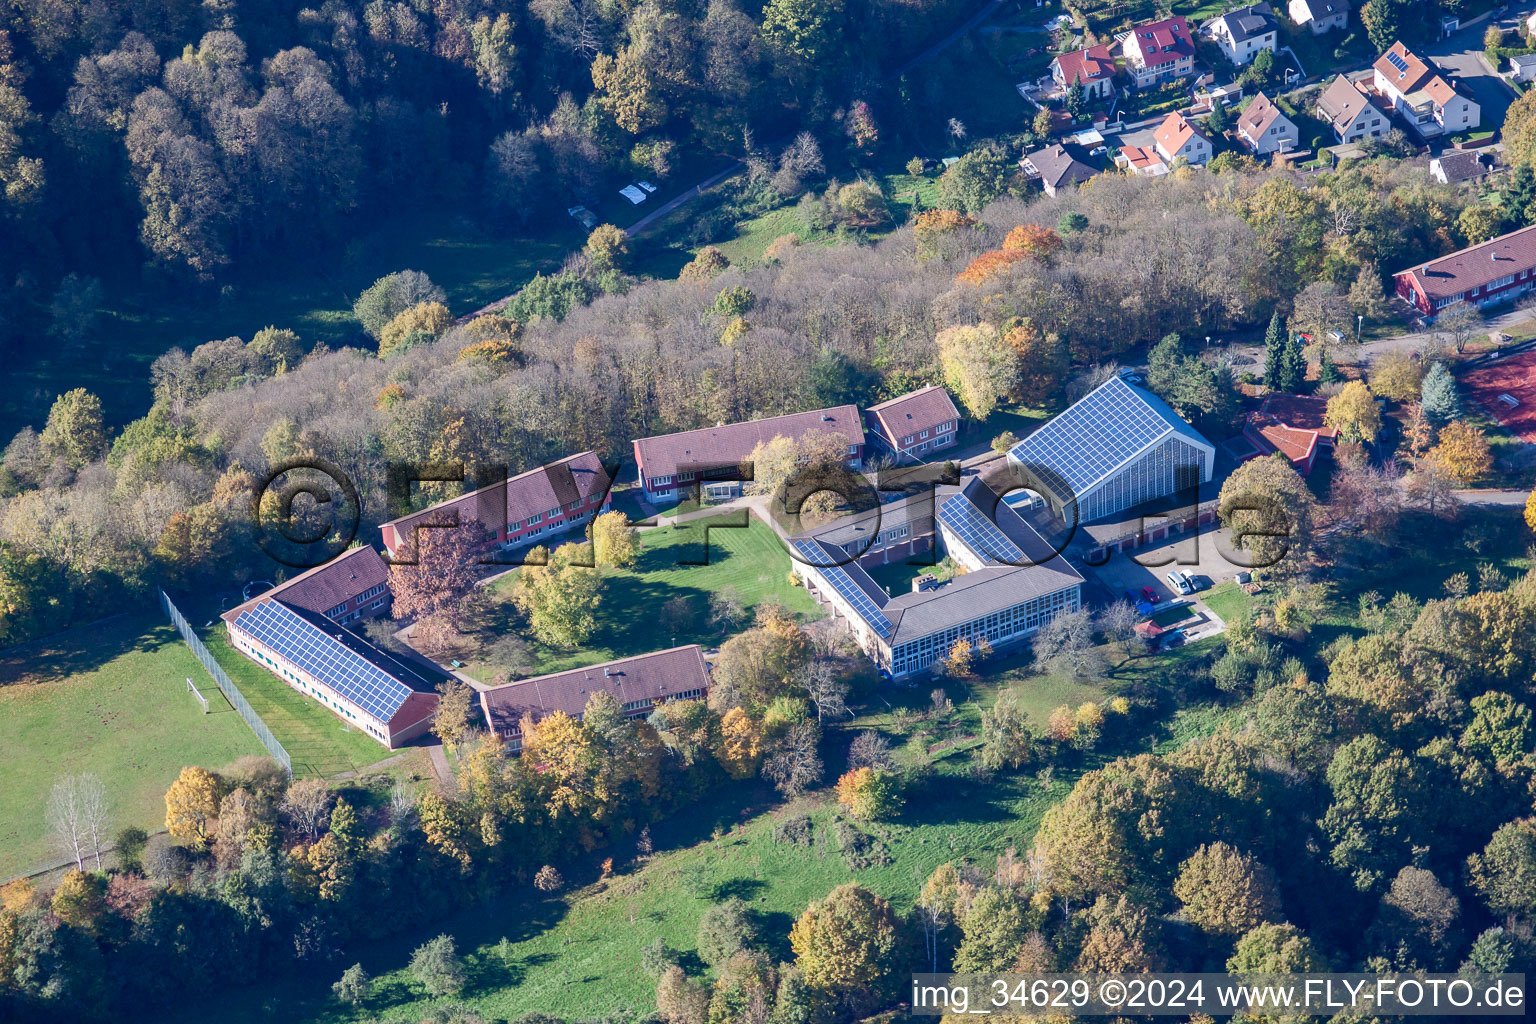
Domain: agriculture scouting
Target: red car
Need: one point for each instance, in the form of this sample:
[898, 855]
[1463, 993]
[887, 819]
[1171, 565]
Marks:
[1151, 595]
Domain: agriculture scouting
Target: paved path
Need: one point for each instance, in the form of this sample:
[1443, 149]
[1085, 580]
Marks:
[1414, 341]
[1498, 498]
[441, 769]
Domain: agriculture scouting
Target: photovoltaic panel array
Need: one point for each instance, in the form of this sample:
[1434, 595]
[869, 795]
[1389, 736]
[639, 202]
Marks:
[817, 556]
[325, 658]
[977, 532]
[1097, 435]
[1397, 61]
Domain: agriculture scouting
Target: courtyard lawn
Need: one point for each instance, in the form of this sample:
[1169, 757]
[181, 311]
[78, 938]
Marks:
[320, 742]
[675, 562]
[108, 698]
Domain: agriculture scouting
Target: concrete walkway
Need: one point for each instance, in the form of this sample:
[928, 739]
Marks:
[441, 769]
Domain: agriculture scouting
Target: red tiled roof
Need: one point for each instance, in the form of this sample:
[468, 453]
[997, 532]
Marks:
[1290, 424]
[913, 412]
[1140, 157]
[1154, 41]
[1174, 132]
[1476, 265]
[730, 443]
[575, 477]
[326, 586]
[656, 677]
[1087, 65]
[1407, 80]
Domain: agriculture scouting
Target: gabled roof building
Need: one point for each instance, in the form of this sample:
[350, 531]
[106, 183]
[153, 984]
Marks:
[1265, 129]
[529, 508]
[1115, 448]
[1055, 168]
[1159, 51]
[352, 586]
[389, 698]
[669, 462]
[1319, 16]
[1350, 112]
[1242, 33]
[1093, 67]
[1177, 138]
[1292, 425]
[1499, 270]
[915, 424]
[639, 684]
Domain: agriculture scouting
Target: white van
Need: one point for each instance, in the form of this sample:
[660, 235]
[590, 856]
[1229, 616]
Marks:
[1179, 582]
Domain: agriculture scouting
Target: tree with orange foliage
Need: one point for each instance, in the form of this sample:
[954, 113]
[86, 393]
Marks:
[1042, 361]
[1033, 241]
[931, 226]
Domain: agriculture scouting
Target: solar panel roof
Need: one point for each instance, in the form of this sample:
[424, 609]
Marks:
[1397, 61]
[859, 597]
[1099, 434]
[977, 531]
[326, 658]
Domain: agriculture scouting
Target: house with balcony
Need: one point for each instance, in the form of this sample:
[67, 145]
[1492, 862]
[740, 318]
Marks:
[1092, 66]
[1424, 99]
[1056, 168]
[1351, 113]
[1178, 139]
[1319, 16]
[1160, 51]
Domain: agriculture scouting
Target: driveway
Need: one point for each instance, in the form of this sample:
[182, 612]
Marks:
[1461, 55]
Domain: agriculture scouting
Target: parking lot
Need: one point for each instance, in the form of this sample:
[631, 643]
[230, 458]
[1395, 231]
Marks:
[1204, 556]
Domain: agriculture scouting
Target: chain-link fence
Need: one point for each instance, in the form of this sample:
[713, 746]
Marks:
[227, 686]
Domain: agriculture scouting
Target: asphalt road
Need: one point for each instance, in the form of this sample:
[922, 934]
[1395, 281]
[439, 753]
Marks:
[1461, 55]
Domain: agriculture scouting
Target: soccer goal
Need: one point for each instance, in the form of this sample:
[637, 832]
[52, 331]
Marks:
[192, 687]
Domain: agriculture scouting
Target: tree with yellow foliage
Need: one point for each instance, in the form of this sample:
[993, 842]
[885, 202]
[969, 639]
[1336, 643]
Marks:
[1462, 453]
[980, 367]
[17, 895]
[1397, 376]
[1353, 413]
[422, 322]
[80, 901]
[740, 744]
[845, 945]
[569, 764]
[190, 805]
[959, 661]
[444, 824]
[560, 597]
[613, 540]
[931, 227]
[869, 794]
[1530, 511]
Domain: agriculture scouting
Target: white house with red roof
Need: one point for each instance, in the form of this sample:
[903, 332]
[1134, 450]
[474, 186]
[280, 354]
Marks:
[914, 425]
[1159, 51]
[1420, 95]
[1141, 161]
[1093, 67]
[670, 462]
[528, 509]
[1178, 139]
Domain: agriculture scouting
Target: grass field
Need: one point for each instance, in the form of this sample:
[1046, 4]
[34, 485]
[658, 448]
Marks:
[473, 265]
[110, 699]
[1227, 600]
[692, 561]
[319, 741]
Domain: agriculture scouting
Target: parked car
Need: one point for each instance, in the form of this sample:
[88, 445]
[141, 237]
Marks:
[1178, 583]
[1130, 595]
[1151, 595]
[1197, 583]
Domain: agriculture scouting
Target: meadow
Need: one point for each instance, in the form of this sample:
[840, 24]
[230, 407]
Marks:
[692, 561]
[110, 698]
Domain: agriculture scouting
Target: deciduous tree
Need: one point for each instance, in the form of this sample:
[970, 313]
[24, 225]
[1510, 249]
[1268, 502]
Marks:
[844, 945]
[191, 804]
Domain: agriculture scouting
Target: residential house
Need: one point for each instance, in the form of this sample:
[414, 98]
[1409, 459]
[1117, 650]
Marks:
[1320, 15]
[1265, 129]
[712, 456]
[1160, 51]
[524, 509]
[1522, 66]
[1351, 114]
[915, 424]
[1055, 168]
[390, 698]
[1176, 138]
[1292, 425]
[1455, 166]
[1245, 32]
[1141, 161]
[350, 587]
[1497, 271]
[1093, 67]
[638, 684]
[1423, 98]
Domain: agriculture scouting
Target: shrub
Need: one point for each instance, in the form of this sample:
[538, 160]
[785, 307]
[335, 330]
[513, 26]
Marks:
[795, 829]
